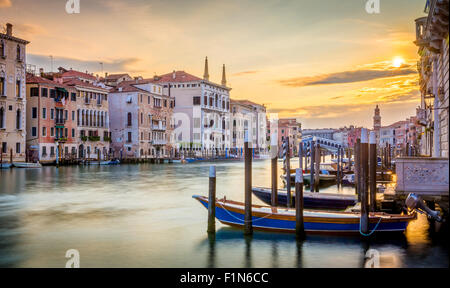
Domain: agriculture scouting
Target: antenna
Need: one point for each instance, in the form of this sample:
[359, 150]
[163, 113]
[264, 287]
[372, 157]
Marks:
[101, 65]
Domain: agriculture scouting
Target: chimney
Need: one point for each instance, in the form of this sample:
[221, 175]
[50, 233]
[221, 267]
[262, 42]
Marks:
[41, 72]
[106, 74]
[9, 27]
[174, 75]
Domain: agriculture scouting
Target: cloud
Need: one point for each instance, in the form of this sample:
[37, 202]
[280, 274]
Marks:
[246, 73]
[5, 3]
[115, 65]
[363, 73]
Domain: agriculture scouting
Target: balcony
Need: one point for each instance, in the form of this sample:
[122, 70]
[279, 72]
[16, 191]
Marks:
[159, 142]
[60, 121]
[159, 127]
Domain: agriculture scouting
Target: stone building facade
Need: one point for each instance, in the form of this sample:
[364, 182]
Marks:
[432, 38]
[12, 96]
[141, 120]
[51, 120]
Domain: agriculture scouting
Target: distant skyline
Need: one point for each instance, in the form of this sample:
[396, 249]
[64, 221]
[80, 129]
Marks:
[328, 63]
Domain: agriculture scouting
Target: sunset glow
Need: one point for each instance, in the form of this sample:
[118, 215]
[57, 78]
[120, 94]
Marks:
[327, 63]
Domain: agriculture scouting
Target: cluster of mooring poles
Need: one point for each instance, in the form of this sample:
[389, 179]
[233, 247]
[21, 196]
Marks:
[365, 175]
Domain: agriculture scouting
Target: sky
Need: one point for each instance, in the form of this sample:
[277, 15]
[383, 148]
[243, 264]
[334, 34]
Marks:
[327, 62]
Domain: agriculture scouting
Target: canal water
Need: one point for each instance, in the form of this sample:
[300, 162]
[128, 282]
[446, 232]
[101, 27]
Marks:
[144, 216]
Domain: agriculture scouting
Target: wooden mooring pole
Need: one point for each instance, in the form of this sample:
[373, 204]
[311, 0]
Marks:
[373, 171]
[313, 157]
[288, 173]
[358, 168]
[11, 156]
[212, 200]
[339, 167]
[274, 154]
[299, 204]
[317, 169]
[364, 222]
[248, 226]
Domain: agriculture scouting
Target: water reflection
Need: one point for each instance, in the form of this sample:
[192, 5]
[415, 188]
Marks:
[144, 216]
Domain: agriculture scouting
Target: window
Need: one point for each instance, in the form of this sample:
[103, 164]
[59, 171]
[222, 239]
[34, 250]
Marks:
[73, 133]
[66, 132]
[33, 131]
[19, 120]
[44, 131]
[52, 93]
[129, 137]
[73, 97]
[19, 53]
[2, 86]
[44, 113]
[4, 147]
[18, 90]
[34, 112]
[52, 114]
[18, 148]
[66, 115]
[44, 151]
[52, 151]
[52, 132]
[34, 92]
[130, 119]
[197, 100]
[73, 115]
[2, 49]
[44, 92]
[2, 118]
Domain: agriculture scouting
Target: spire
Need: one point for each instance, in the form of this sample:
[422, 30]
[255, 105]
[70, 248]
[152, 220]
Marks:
[206, 74]
[224, 77]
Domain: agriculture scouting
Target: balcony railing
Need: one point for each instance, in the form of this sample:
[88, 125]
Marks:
[60, 121]
[159, 127]
[159, 142]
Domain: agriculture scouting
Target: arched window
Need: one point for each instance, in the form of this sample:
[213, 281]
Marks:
[2, 48]
[2, 117]
[19, 53]
[19, 119]
[130, 118]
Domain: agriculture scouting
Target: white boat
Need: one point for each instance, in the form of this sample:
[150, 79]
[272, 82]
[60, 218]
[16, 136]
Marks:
[26, 165]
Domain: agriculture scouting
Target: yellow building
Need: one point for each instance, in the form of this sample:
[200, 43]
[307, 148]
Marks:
[12, 96]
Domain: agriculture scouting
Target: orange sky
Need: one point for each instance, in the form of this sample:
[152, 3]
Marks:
[326, 62]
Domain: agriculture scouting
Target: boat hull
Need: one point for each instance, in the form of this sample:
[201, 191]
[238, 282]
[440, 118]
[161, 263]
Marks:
[283, 220]
[5, 166]
[27, 165]
[311, 200]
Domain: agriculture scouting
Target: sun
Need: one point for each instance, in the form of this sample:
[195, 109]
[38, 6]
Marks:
[398, 62]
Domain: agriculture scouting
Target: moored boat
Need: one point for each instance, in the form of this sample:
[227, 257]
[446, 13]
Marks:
[111, 162]
[5, 165]
[26, 165]
[324, 176]
[283, 220]
[349, 180]
[311, 200]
